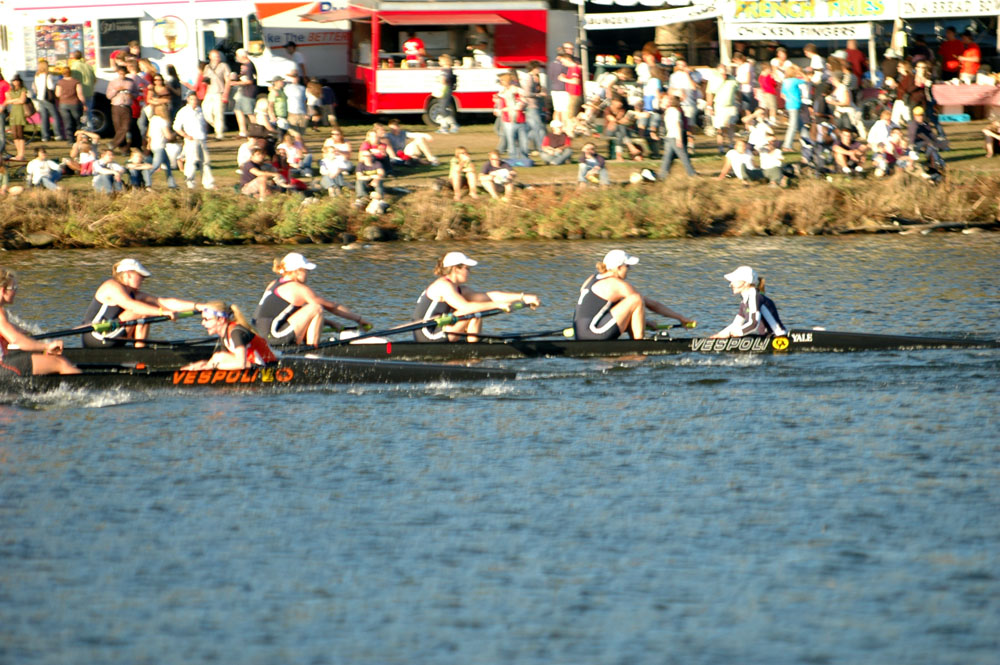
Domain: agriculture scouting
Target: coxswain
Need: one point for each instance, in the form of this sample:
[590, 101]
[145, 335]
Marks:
[240, 346]
[609, 306]
[290, 312]
[32, 356]
[757, 315]
[120, 299]
[449, 294]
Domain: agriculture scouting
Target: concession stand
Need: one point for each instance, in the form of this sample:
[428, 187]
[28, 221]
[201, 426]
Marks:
[506, 34]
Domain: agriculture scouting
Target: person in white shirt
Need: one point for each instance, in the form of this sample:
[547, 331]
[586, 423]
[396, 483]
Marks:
[292, 52]
[190, 123]
[44, 83]
[739, 161]
[816, 63]
[43, 171]
[879, 132]
[745, 78]
[674, 139]
[159, 135]
[759, 131]
[295, 94]
[218, 75]
[772, 163]
[107, 173]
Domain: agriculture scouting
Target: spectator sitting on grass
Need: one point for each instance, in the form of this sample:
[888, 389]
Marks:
[592, 168]
[556, 146]
[849, 154]
[42, 171]
[140, 172]
[331, 171]
[410, 146]
[739, 162]
[462, 172]
[107, 173]
[992, 136]
[369, 175]
[295, 154]
[82, 155]
[497, 173]
[257, 177]
[772, 163]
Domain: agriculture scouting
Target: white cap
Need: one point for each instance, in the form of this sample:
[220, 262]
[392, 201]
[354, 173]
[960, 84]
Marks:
[127, 265]
[619, 257]
[457, 259]
[742, 274]
[295, 261]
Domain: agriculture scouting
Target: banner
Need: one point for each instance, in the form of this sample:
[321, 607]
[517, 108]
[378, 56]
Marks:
[802, 31]
[650, 19]
[943, 8]
[813, 11]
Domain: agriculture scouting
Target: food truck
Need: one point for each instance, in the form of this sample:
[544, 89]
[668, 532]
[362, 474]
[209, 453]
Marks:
[485, 38]
[170, 32]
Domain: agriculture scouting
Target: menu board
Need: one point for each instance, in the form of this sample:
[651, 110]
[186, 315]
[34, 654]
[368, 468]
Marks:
[55, 41]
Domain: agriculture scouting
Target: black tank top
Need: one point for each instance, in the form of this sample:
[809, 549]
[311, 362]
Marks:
[98, 312]
[271, 316]
[430, 309]
[592, 318]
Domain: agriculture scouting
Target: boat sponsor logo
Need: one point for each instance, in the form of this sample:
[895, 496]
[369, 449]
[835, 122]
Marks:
[742, 344]
[801, 338]
[233, 376]
[780, 343]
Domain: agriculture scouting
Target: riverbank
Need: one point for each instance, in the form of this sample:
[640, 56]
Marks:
[548, 205]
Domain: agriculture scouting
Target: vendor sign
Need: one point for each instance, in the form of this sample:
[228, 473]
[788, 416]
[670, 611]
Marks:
[650, 19]
[944, 8]
[792, 31]
[810, 11]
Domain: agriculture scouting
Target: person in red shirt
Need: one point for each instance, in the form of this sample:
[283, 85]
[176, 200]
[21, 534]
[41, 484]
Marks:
[413, 49]
[969, 59]
[856, 58]
[949, 51]
[573, 78]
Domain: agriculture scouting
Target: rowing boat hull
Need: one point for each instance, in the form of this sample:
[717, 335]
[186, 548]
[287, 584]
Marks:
[290, 372]
[795, 341]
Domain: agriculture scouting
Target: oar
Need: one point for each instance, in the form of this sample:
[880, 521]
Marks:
[514, 337]
[104, 327]
[569, 332]
[441, 321]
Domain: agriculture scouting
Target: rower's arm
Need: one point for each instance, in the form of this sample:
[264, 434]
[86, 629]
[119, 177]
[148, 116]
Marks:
[334, 308]
[661, 309]
[13, 334]
[176, 305]
[142, 304]
[529, 299]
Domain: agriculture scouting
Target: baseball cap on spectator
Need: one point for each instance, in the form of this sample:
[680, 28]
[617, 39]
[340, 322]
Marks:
[918, 110]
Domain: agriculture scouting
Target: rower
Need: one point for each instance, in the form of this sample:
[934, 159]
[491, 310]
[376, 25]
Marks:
[32, 356]
[290, 312]
[757, 315]
[240, 346]
[609, 306]
[119, 299]
[449, 294]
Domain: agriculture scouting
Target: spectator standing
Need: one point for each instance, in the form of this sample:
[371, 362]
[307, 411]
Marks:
[69, 97]
[4, 87]
[557, 86]
[277, 105]
[121, 92]
[244, 87]
[816, 66]
[573, 78]
[745, 79]
[534, 106]
[446, 89]
[295, 94]
[779, 63]
[191, 125]
[792, 90]
[172, 81]
[292, 51]
[556, 146]
[769, 92]
[722, 94]
[592, 168]
[216, 93]
[17, 115]
[949, 51]
[43, 89]
[157, 138]
[84, 73]
[511, 114]
[969, 60]
[856, 59]
[683, 83]
[675, 139]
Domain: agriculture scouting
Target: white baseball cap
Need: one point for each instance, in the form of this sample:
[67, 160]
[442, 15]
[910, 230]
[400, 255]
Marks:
[742, 274]
[127, 265]
[619, 257]
[295, 261]
[457, 259]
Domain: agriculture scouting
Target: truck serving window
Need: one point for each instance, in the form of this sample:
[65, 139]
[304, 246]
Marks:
[114, 35]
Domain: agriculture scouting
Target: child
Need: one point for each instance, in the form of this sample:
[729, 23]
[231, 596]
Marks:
[768, 93]
[107, 173]
[139, 173]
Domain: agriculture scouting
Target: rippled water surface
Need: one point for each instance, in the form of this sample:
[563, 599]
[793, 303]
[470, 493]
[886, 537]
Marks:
[811, 508]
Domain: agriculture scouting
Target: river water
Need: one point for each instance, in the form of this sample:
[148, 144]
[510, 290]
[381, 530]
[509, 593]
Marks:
[811, 508]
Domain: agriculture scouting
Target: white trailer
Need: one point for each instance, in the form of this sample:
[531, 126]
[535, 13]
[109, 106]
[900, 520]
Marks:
[170, 32]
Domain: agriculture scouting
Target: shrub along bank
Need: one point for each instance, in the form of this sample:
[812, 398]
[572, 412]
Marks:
[676, 208]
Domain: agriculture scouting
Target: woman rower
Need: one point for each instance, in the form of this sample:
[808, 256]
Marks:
[239, 346]
[290, 312]
[609, 306]
[449, 294]
[757, 315]
[119, 299]
[33, 356]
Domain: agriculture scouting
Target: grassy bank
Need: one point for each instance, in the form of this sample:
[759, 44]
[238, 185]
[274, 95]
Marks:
[549, 207]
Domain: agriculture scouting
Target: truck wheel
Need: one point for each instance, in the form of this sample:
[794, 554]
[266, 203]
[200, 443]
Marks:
[430, 116]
